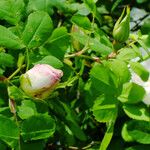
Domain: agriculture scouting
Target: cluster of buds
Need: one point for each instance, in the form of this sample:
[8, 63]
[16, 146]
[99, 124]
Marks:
[39, 81]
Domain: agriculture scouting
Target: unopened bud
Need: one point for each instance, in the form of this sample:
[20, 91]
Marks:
[122, 27]
[39, 81]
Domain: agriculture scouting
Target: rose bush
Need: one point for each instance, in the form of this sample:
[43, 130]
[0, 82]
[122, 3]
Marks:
[74, 74]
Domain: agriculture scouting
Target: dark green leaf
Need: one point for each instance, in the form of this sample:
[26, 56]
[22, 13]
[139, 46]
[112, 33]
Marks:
[38, 145]
[38, 127]
[51, 60]
[37, 29]
[9, 132]
[6, 60]
[58, 43]
[44, 5]
[11, 10]
[9, 40]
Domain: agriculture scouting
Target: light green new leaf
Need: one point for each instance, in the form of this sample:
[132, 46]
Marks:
[9, 132]
[138, 131]
[51, 60]
[9, 40]
[11, 10]
[131, 93]
[37, 29]
[138, 112]
[38, 127]
[139, 70]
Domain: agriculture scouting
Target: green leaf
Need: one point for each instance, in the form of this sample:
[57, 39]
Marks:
[116, 3]
[131, 93]
[138, 131]
[94, 43]
[15, 93]
[104, 109]
[58, 43]
[38, 127]
[93, 9]
[100, 72]
[138, 112]
[139, 70]
[5, 111]
[11, 10]
[9, 40]
[68, 116]
[64, 6]
[81, 21]
[6, 60]
[35, 5]
[9, 132]
[27, 109]
[51, 60]
[37, 29]
[71, 121]
[91, 5]
[102, 80]
[121, 71]
[126, 54]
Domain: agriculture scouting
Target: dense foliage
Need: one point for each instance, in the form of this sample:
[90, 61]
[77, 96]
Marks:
[97, 104]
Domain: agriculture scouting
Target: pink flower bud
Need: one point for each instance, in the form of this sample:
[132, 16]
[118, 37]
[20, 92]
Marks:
[39, 81]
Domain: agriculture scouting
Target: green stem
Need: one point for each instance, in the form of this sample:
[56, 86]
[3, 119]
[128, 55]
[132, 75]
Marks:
[27, 59]
[16, 72]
